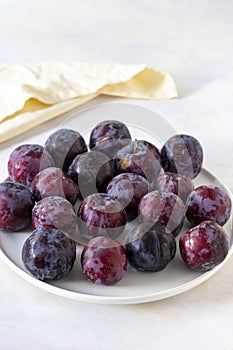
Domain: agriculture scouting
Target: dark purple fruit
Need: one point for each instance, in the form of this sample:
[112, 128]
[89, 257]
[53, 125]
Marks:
[48, 254]
[16, 203]
[150, 248]
[139, 157]
[92, 171]
[54, 182]
[164, 208]
[64, 145]
[208, 203]
[111, 147]
[26, 161]
[204, 246]
[128, 189]
[104, 261]
[54, 212]
[182, 154]
[107, 130]
[101, 215]
[180, 185]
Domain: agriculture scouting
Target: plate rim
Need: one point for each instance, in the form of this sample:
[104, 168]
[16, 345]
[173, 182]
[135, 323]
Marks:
[99, 299]
[121, 300]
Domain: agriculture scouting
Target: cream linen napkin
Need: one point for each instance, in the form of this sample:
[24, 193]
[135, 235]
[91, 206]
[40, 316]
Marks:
[32, 94]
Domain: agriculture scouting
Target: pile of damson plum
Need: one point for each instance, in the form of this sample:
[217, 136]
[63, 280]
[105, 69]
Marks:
[117, 182]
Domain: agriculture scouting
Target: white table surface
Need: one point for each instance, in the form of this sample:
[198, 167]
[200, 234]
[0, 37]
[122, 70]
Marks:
[191, 40]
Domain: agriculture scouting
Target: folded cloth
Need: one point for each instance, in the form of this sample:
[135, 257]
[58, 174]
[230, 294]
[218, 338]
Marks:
[32, 94]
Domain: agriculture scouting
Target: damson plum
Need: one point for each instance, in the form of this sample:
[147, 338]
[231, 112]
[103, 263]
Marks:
[107, 130]
[101, 215]
[104, 261]
[182, 154]
[208, 203]
[178, 184]
[16, 203]
[48, 254]
[164, 208]
[204, 246]
[139, 157]
[54, 182]
[64, 145]
[92, 171]
[128, 189]
[26, 161]
[111, 147]
[54, 212]
[150, 248]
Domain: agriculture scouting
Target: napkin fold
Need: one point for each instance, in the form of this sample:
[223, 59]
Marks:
[32, 94]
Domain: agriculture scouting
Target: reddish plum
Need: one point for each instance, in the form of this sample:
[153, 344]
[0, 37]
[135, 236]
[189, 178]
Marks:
[204, 246]
[104, 261]
[54, 182]
[128, 189]
[208, 203]
[26, 161]
[164, 208]
[54, 212]
[16, 203]
[101, 215]
[180, 185]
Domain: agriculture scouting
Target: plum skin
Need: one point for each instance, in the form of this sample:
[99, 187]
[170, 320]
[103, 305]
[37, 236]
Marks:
[111, 147]
[139, 157]
[182, 154]
[26, 161]
[16, 203]
[149, 248]
[107, 130]
[64, 145]
[203, 247]
[128, 189]
[48, 254]
[101, 215]
[104, 261]
[208, 203]
[54, 182]
[54, 212]
[178, 184]
[162, 207]
[91, 171]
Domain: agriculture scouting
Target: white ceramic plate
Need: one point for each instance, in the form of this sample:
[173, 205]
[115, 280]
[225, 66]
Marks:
[136, 287]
